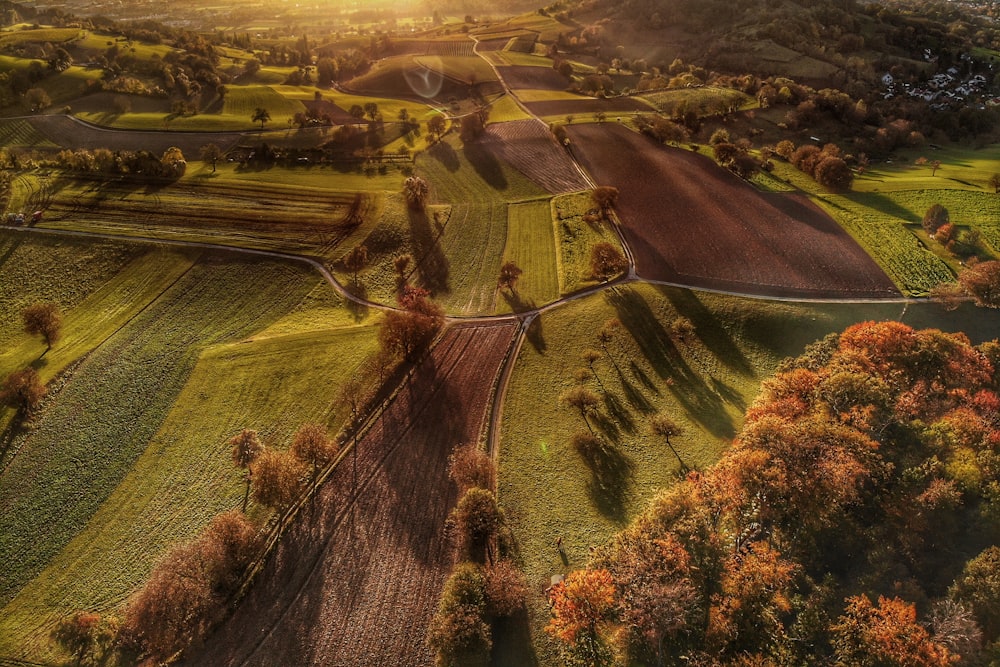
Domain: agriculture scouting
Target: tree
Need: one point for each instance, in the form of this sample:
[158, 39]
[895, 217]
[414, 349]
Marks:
[505, 588]
[833, 173]
[666, 428]
[251, 66]
[23, 390]
[606, 261]
[173, 164]
[935, 217]
[45, 320]
[245, 449]
[471, 467]
[935, 165]
[472, 127]
[870, 635]
[356, 260]
[582, 606]
[85, 635]
[277, 479]
[415, 190]
[409, 331]
[509, 273]
[356, 111]
[981, 281]
[37, 99]
[979, 587]
[435, 127]
[582, 399]
[314, 447]
[994, 183]
[475, 521]
[459, 634]
[371, 110]
[605, 197]
[260, 115]
[211, 153]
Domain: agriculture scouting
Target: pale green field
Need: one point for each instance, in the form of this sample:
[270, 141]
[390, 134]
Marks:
[531, 244]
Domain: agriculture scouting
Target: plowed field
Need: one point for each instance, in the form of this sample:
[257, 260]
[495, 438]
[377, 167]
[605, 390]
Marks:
[537, 78]
[690, 222]
[355, 580]
[67, 132]
[529, 147]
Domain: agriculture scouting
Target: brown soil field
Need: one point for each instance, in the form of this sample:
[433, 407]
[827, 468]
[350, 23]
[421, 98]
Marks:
[70, 133]
[355, 580]
[529, 147]
[493, 44]
[586, 105]
[432, 47]
[690, 222]
[535, 78]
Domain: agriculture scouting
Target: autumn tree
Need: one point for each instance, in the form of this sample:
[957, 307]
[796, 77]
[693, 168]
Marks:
[459, 632]
[408, 332]
[356, 260]
[471, 467]
[211, 154]
[583, 400]
[415, 190]
[277, 479]
[834, 173]
[313, 446]
[582, 607]
[870, 635]
[23, 390]
[981, 281]
[245, 448]
[436, 125]
[606, 261]
[401, 263]
[475, 522]
[605, 198]
[86, 636]
[509, 273]
[994, 183]
[979, 587]
[504, 587]
[45, 320]
[260, 115]
[936, 216]
[666, 428]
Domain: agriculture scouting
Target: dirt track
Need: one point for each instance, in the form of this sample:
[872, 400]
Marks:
[356, 583]
[688, 221]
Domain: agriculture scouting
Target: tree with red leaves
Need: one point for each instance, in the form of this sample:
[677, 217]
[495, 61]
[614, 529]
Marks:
[582, 608]
[870, 635]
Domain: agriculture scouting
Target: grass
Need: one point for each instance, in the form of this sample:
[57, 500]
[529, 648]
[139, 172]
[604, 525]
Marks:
[704, 101]
[19, 133]
[185, 475]
[576, 238]
[467, 69]
[531, 245]
[527, 59]
[506, 109]
[241, 101]
[39, 35]
[704, 383]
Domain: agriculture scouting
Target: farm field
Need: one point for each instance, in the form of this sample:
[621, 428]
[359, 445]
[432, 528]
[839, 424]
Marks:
[535, 78]
[530, 148]
[704, 382]
[696, 224]
[704, 101]
[356, 578]
[531, 245]
[585, 105]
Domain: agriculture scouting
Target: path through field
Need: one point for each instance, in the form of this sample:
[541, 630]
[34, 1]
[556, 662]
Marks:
[355, 580]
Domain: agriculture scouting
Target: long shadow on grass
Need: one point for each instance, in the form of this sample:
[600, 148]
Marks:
[512, 642]
[536, 336]
[358, 311]
[634, 396]
[711, 331]
[446, 155]
[611, 474]
[881, 203]
[430, 259]
[516, 303]
[619, 413]
[486, 165]
[686, 385]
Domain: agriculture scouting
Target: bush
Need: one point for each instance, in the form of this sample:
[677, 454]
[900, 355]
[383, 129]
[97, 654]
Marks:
[459, 634]
[935, 217]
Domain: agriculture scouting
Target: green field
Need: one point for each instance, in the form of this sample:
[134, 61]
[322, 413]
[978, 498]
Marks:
[531, 244]
[705, 101]
[576, 238]
[705, 383]
[179, 352]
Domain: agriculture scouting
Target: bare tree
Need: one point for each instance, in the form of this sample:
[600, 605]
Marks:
[582, 399]
[356, 260]
[246, 448]
[211, 153]
[314, 447]
[509, 273]
[665, 427]
[415, 190]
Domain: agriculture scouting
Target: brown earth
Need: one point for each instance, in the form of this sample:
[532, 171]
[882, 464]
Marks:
[586, 105]
[70, 133]
[534, 78]
[688, 221]
[530, 148]
[355, 580]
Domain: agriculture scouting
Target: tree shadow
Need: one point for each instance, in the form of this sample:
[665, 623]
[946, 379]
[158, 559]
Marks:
[536, 336]
[635, 397]
[685, 384]
[512, 645]
[358, 311]
[711, 331]
[446, 155]
[485, 164]
[619, 413]
[641, 376]
[516, 303]
[430, 259]
[609, 486]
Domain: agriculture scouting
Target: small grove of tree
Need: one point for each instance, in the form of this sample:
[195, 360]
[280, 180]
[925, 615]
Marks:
[211, 154]
[260, 115]
[605, 198]
[356, 260]
[415, 190]
[277, 479]
[436, 126]
[936, 217]
[509, 274]
[245, 448]
[981, 281]
[406, 333]
[313, 446]
[188, 589]
[473, 124]
[606, 261]
[459, 633]
[86, 636]
[825, 165]
[736, 159]
[23, 390]
[45, 320]
[37, 99]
